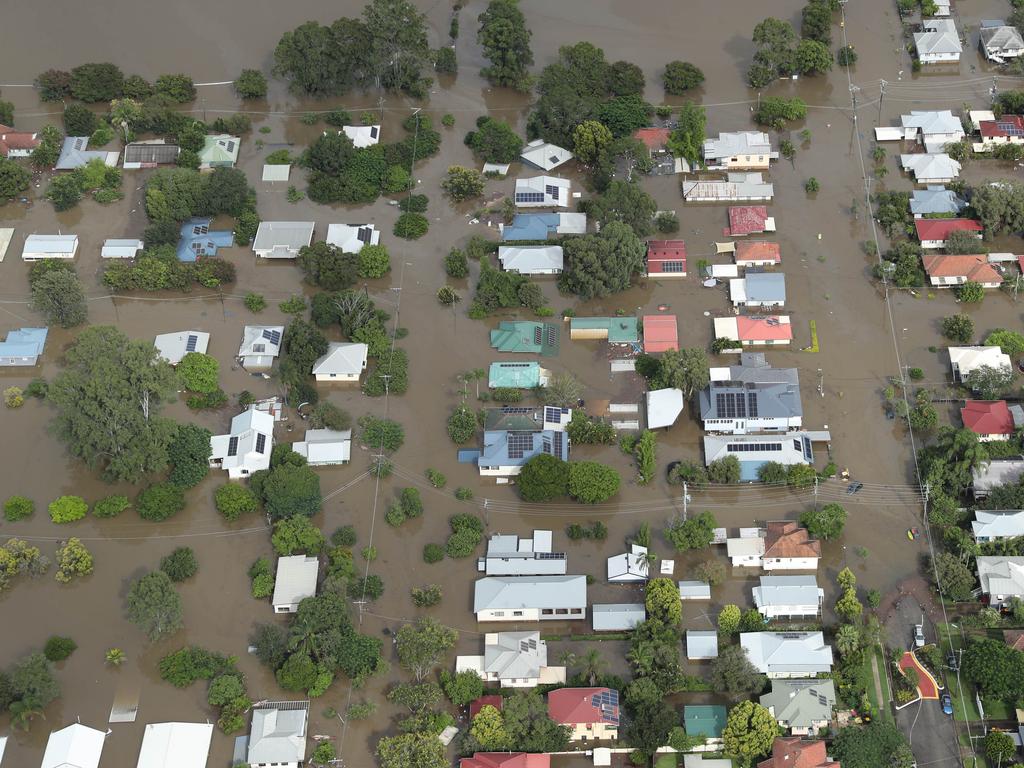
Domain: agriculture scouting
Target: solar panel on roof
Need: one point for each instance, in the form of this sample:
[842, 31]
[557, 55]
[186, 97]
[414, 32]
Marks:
[529, 197]
[190, 343]
[731, 405]
[1010, 128]
[261, 443]
[553, 159]
[233, 446]
[365, 234]
[538, 335]
[517, 410]
[274, 337]
[552, 414]
[373, 132]
[519, 443]
[752, 404]
[559, 453]
[551, 190]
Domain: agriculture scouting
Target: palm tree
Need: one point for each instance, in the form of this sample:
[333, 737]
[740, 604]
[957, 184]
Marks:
[23, 712]
[848, 639]
[591, 666]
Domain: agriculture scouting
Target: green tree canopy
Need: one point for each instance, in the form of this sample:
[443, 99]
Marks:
[59, 295]
[543, 478]
[680, 77]
[529, 726]
[505, 39]
[599, 265]
[734, 675]
[154, 606]
[591, 482]
[422, 646]
[750, 730]
[687, 139]
[825, 523]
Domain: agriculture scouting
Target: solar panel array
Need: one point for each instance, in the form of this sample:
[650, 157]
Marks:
[190, 343]
[529, 197]
[551, 335]
[519, 443]
[516, 410]
[200, 229]
[736, 405]
[261, 443]
[365, 234]
[373, 132]
[274, 337]
[754, 447]
[553, 414]
[551, 190]
[608, 702]
[233, 446]
[538, 335]
[231, 146]
[1011, 129]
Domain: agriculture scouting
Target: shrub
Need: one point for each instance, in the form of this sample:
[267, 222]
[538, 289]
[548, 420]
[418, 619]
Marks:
[181, 564]
[366, 588]
[112, 506]
[463, 494]
[382, 433]
[251, 84]
[18, 508]
[160, 501]
[374, 262]
[177, 87]
[414, 204]
[456, 264]
[262, 577]
[58, 648]
[344, 536]
[411, 226]
[37, 388]
[427, 597]
[233, 500]
[254, 302]
[13, 397]
[436, 479]
[68, 509]
[73, 559]
[433, 553]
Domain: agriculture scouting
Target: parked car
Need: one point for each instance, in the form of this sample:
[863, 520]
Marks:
[953, 662]
[947, 704]
[919, 635]
[853, 487]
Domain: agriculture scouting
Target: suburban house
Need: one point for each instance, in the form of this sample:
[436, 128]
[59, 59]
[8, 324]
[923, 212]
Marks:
[991, 419]
[758, 289]
[175, 745]
[749, 331]
[661, 333]
[939, 43]
[739, 407]
[788, 596]
[591, 713]
[517, 375]
[73, 154]
[49, 247]
[172, 347]
[933, 232]
[706, 721]
[617, 617]
[506, 451]
[757, 253]
[629, 567]
[513, 660]
[942, 8]
[1008, 129]
[531, 259]
[999, 524]
[344, 361]
[519, 418]
[150, 154]
[17, 143]
[694, 590]
[121, 248]
[23, 346]
[788, 547]
[530, 598]
[362, 136]
[277, 736]
[749, 220]
[701, 644]
[352, 237]
[246, 448]
[787, 654]
[937, 168]
[615, 330]
[260, 345]
[527, 336]
[933, 129]
[936, 199]
[542, 192]
[540, 226]
[540, 154]
[666, 258]
[794, 752]
[663, 407]
[755, 450]
[510, 555]
[197, 239]
[739, 149]
[747, 549]
[282, 239]
[999, 41]
[1001, 577]
[294, 582]
[995, 472]
[76, 746]
[753, 372]
[325, 447]
[802, 707]
[506, 760]
[736, 187]
[966, 359]
[219, 151]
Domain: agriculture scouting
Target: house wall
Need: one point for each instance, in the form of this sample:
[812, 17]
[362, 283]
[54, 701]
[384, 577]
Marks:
[500, 471]
[790, 564]
[939, 58]
[926, 244]
[588, 333]
[532, 614]
[750, 303]
[594, 732]
[787, 675]
[764, 343]
[337, 377]
[286, 608]
[518, 682]
[990, 438]
[775, 611]
[19, 153]
[12, 361]
[743, 426]
[746, 561]
[946, 282]
[753, 162]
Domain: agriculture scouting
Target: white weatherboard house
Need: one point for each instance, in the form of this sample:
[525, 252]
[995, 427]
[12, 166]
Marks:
[939, 43]
[998, 524]
[803, 707]
[933, 129]
[282, 239]
[352, 237]
[1001, 577]
[325, 447]
[739, 149]
[542, 192]
[76, 746]
[629, 567]
[175, 745]
[114, 248]
[49, 247]
[513, 660]
[746, 550]
[510, 555]
[530, 598]
[174, 346]
[1000, 41]
[531, 259]
[277, 736]
[787, 654]
[758, 289]
[260, 345]
[363, 135]
[787, 596]
[344, 361]
[294, 582]
[966, 359]
[545, 156]
[931, 169]
[246, 449]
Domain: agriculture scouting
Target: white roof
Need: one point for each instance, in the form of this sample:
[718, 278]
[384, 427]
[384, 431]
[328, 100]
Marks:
[542, 186]
[352, 237]
[787, 591]
[701, 644]
[629, 566]
[51, 243]
[174, 346]
[663, 407]
[979, 116]
[998, 524]
[278, 735]
[744, 546]
[545, 156]
[781, 653]
[295, 580]
[120, 249]
[941, 37]
[514, 654]
[528, 259]
[738, 143]
[1001, 575]
[363, 135]
[325, 446]
[175, 745]
[509, 592]
[966, 359]
[76, 746]
[499, 168]
[933, 121]
[282, 239]
[342, 358]
[261, 340]
[611, 617]
[276, 172]
[242, 446]
[931, 166]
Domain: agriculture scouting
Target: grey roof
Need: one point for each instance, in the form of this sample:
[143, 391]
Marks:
[755, 369]
[801, 703]
[782, 591]
[997, 472]
[278, 735]
[737, 186]
[781, 653]
[765, 286]
[940, 37]
[1001, 575]
[998, 524]
[510, 592]
[174, 346]
[263, 340]
[295, 579]
[695, 590]
[931, 166]
[545, 156]
[936, 199]
[513, 449]
[788, 448]
[701, 644]
[510, 555]
[999, 39]
[609, 617]
[156, 152]
[287, 236]
[515, 655]
[325, 446]
[530, 258]
[762, 401]
[931, 121]
[738, 143]
[73, 154]
[664, 407]
[343, 358]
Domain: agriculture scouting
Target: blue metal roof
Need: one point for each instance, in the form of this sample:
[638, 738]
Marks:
[513, 449]
[24, 342]
[531, 226]
[197, 239]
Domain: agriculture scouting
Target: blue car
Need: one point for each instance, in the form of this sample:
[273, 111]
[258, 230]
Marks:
[947, 704]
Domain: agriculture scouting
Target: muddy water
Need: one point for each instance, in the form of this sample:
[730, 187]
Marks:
[828, 283]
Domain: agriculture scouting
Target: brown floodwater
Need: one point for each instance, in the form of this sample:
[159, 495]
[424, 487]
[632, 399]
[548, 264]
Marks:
[828, 282]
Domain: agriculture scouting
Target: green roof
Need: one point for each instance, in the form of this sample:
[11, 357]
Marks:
[704, 720]
[621, 330]
[525, 336]
[220, 149]
[518, 375]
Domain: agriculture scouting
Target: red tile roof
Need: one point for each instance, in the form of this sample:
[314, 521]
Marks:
[789, 540]
[1007, 125]
[12, 139]
[973, 267]
[653, 138]
[763, 328]
[939, 229]
[747, 219]
[794, 752]
[661, 333]
[505, 760]
[570, 706]
[493, 700]
[757, 250]
[987, 417]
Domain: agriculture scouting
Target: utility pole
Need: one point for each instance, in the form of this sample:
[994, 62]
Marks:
[816, 494]
[994, 90]
[686, 499]
[821, 383]
[881, 95]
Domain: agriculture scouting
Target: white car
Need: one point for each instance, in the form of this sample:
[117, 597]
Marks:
[918, 635]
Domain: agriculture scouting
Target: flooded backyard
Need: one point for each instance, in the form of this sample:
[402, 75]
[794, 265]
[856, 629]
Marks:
[828, 283]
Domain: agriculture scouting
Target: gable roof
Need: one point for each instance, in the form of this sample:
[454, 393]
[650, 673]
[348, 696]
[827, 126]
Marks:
[342, 358]
[940, 37]
[278, 734]
[11, 139]
[726, 399]
[998, 523]
[76, 746]
[325, 446]
[931, 166]
[764, 286]
[966, 359]
[787, 539]
[511, 655]
[249, 442]
[974, 267]
[621, 330]
[987, 417]
[661, 333]
[545, 156]
[757, 250]
[513, 448]
[666, 250]
[352, 237]
[737, 143]
[539, 226]
[999, 39]
[932, 121]
[939, 229]
[571, 706]
[261, 340]
[782, 653]
[174, 346]
[175, 745]
[1004, 127]
[935, 199]
[794, 752]
[513, 592]
[514, 374]
[221, 149]
[197, 239]
[629, 566]
[526, 336]
[526, 259]
[755, 371]
[295, 579]
[542, 190]
[747, 219]
[781, 591]
[1001, 575]
[73, 154]
[287, 236]
[24, 342]
[154, 152]
[801, 703]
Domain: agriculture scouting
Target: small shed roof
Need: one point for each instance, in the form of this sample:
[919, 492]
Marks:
[621, 330]
[295, 580]
[694, 590]
[175, 745]
[610, 617]
[661, 333]
[701, 644]
[663, 407]
[114, 248]
[704, 720]
[273, 172]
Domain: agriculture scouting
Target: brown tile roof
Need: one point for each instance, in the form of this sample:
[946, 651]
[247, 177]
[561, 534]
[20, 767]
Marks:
[794, 752]
[12, 139]
[787, 539]
[974, 267]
